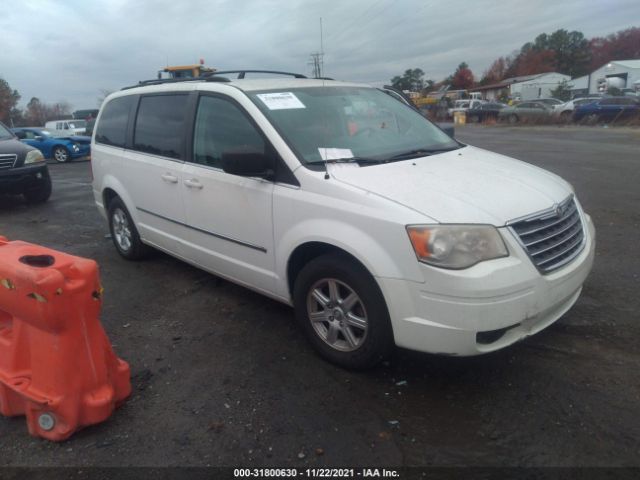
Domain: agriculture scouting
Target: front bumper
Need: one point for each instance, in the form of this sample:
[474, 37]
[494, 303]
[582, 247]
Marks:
[84, 151]
[486, 307]
[17, 180]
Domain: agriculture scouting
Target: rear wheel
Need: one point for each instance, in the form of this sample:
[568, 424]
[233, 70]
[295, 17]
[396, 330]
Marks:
[124, 233]
[513, 119]
[60, 154]
[342, 312]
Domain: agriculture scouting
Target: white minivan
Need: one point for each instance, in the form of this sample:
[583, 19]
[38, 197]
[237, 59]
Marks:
[335, 198]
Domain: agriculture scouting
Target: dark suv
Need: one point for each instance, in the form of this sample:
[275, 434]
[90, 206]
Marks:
[22, 169]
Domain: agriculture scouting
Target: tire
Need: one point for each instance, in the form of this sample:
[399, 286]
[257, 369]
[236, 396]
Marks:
[565, 117]
[124, 233]
[41, 192]
[342, 312]
[513, 119]
[593, 118]
[60, 154]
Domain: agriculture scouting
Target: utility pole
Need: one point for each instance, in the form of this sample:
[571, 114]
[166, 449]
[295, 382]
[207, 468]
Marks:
[316, 64]
[317, 58]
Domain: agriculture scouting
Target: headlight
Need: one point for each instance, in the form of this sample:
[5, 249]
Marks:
[76, 148]
[34, 156]
[456, 246]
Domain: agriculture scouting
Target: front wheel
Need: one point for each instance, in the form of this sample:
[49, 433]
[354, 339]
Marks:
[41, 192]
[593, 118]
[60, 154]
[342, 312]
[513, 119]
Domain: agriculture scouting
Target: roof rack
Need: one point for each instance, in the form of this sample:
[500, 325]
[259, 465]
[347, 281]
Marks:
[161, 81]
[242, 73]
[211, 77]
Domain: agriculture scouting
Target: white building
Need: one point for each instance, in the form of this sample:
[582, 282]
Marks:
[529, 87]
[622, 74]
[539, 86]
[579, 85]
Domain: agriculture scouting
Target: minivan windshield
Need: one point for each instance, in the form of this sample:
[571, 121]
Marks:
[335, 123]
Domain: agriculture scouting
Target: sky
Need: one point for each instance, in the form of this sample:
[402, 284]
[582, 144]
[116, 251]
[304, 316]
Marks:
[74, 50]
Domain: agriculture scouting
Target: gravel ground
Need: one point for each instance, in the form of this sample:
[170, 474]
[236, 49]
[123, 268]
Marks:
[222, 376]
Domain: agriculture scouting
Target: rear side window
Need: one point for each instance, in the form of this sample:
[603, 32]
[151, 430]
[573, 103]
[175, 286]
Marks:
[160, 125]
[112, 128]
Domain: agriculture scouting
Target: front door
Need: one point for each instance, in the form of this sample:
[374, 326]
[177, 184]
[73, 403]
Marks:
[229, 217]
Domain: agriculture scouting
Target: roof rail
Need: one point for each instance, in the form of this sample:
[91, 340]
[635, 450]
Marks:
[156, 81]
[242, 73]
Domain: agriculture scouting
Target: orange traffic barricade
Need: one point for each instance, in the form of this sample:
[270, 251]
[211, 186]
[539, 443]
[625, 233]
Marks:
[57, 366]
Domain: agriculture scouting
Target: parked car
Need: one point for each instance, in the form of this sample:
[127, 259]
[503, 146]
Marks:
[530, 112]
[60, 149]
[464, 106]
[608, 109]
[23, 169]
[337, 199]
[551, 102]
[66, 128]
[565, 111]
[485, 111]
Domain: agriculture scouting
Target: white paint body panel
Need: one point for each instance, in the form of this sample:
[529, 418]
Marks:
[363, 211]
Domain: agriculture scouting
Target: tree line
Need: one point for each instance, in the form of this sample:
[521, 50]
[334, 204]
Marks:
[35, 114]
[562, 51]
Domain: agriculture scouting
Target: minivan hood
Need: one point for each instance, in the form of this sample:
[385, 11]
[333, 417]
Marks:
[468, 185]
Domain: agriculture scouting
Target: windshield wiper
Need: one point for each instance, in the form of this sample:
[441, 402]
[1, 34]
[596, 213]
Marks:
[358, 160]
[420, 152]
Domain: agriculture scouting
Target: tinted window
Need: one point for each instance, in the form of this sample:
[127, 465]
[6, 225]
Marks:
[112, 129]
[222, 127]
[160, 125]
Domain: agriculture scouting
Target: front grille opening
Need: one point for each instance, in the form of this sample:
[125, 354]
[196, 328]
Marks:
[492, 336]
[7, 161]
[552, 239]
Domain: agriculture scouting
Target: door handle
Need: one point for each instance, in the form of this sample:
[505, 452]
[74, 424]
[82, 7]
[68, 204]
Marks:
[193, 183]
[167, 177]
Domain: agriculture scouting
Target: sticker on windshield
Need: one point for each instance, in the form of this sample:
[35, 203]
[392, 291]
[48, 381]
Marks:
[280, 100]
[335, 153]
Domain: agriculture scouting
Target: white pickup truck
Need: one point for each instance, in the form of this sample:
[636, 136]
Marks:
[464, 105]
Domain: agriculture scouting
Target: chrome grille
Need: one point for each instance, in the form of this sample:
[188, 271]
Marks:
[552, 238]
[7, 161]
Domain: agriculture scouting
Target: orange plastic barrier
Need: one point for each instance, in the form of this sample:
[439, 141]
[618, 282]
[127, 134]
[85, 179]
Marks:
[56, 363]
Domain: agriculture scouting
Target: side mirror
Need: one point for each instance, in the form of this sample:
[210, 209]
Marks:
[248, 164]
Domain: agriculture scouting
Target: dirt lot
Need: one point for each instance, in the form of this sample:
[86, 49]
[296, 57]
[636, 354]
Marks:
[222, 376]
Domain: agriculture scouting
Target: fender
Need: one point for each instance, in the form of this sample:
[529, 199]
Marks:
[353, 240]
[110, 181]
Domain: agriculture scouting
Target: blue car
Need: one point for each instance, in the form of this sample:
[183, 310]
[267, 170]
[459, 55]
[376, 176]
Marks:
[607, 109]
[61, 149]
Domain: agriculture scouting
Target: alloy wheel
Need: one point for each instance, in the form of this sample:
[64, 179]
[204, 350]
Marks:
[122, 230]
[337, 314]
